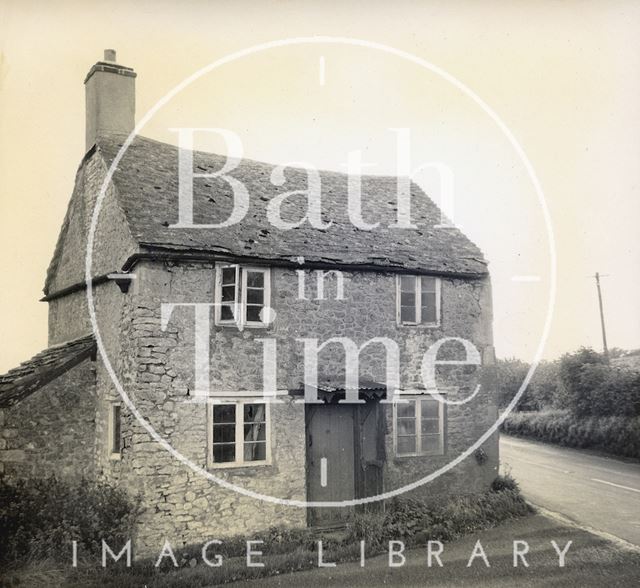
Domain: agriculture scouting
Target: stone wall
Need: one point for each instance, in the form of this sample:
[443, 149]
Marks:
[156, 369]
[113, 244]
[53, 430]
[63, 328]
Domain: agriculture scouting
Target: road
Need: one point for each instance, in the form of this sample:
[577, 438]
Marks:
[600, 492]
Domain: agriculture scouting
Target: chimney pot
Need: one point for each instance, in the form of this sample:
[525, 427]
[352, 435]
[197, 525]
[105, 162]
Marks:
[110, 55]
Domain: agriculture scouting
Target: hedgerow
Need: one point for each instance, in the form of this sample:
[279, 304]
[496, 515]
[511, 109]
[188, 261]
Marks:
[39, 518]
[619, 435]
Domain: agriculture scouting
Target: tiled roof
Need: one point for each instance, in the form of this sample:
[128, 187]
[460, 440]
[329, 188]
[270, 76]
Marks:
[146, 182]
[43, 368]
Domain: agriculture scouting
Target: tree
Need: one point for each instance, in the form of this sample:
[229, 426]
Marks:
[545, 384]
[575, 392]
[510, 374]
[591, 387]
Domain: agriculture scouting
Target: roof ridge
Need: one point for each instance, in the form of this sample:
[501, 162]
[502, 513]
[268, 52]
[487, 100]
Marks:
[121, 137]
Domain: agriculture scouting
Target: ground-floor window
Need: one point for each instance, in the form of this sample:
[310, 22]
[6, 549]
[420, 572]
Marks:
[115, 430]
[418, 426]
[239, 433]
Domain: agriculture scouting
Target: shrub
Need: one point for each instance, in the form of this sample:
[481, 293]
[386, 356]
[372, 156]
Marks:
[618, 435]
[506, 482]
[415, 521]
[39, 518]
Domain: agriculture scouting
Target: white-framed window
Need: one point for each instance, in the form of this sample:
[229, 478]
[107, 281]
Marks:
[115, 430]
[239, 433]
[242, 294]
[418, 300]
[418, 426]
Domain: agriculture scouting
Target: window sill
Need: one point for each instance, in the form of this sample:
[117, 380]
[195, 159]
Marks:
[405, 458]
[239, 468]
[244, 326]
[421, 325]
[115, 456]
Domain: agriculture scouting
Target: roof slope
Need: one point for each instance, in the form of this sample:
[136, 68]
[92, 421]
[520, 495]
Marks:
[146, 182]
[43, 368]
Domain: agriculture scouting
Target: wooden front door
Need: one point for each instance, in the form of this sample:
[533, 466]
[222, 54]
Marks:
[343, 457]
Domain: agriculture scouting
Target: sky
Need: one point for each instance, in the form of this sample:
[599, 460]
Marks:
[563, 77]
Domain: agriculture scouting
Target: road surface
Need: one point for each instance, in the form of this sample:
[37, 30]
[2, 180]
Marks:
[593, 490]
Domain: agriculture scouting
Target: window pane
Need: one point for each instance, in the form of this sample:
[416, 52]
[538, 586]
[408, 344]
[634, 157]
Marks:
[254, 413]
[407, 426]
[429, 314]
[406, 445]
[255, 296]
[224, 433]
[407, 314]
[255, 279]
[228, 293]
[430, 426]
[115, 442]
[255, 451]
[431, 443]
[408, 299]
[226, 312]
[408, 283]
[430, 409]
[428, 284]
[228, 275]
[224, 413]
[255, 432]
[253, 313]
[407, 408]
[224, 453]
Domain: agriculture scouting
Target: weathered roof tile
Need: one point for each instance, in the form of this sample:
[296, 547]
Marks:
[43, 368]
[146, 181]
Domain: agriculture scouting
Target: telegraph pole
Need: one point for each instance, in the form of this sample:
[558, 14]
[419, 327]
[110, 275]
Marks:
[604, 333]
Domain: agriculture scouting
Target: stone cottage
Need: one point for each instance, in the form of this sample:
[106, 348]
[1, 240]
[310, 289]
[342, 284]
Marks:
[261, 286]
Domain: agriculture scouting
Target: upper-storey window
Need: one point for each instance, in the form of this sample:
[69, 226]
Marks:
[242, 295]
[418, 300]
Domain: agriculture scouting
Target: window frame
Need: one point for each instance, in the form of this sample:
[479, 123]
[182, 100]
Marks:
[418, 299]
[240, 302]
[114, 407]
[218, 294]
[239, 437]
[442, 429]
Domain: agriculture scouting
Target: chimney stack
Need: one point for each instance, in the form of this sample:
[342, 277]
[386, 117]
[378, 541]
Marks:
[110, 98]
